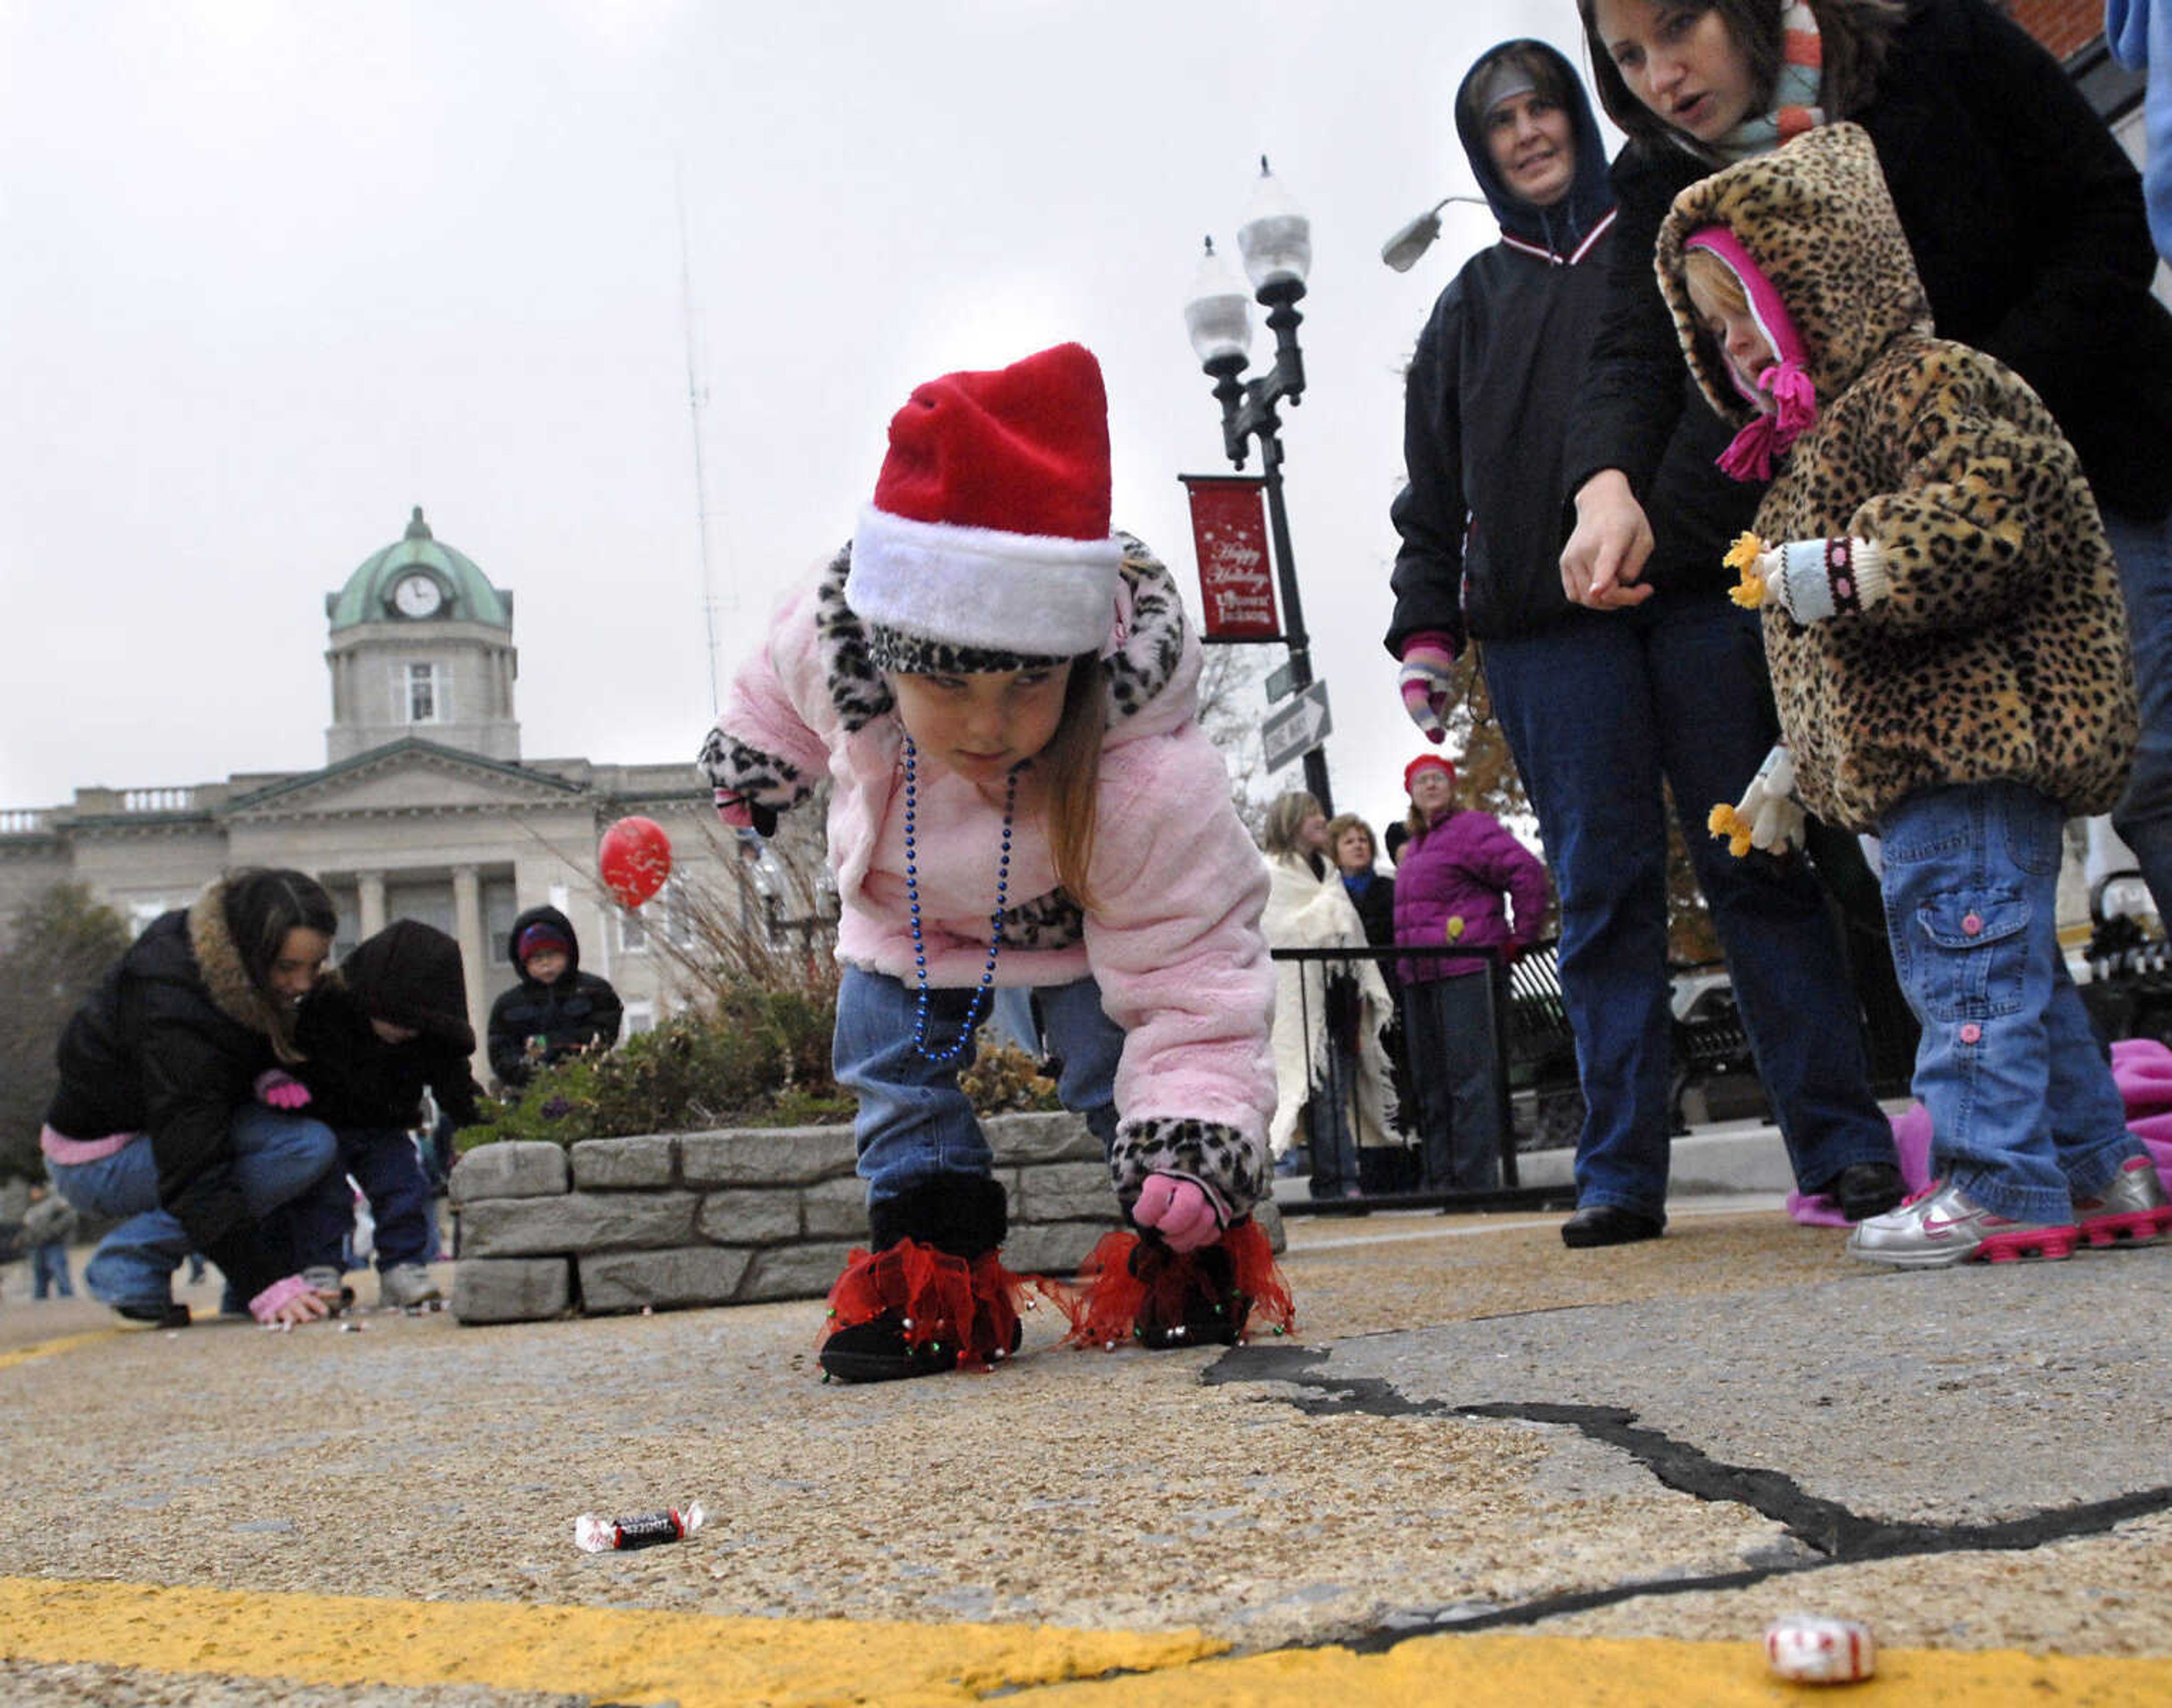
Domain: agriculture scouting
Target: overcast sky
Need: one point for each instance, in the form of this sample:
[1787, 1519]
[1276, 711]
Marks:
[272, 273]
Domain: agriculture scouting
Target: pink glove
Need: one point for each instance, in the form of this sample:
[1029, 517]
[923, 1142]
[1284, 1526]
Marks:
[281, 1090]
[268, 1306]
[1180, 1210]
[732, 809]
[1427, 681]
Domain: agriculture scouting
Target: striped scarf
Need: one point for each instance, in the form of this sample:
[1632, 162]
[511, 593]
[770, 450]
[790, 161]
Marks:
[1795, 93]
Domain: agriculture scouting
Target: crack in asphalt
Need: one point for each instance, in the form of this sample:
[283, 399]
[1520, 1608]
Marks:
[1833, 1534]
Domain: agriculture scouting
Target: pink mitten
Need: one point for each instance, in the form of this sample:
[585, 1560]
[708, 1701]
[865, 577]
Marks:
[281, 1090]
[1179, 1210]
[732, 809]
[266, 1305]
[1427, 680]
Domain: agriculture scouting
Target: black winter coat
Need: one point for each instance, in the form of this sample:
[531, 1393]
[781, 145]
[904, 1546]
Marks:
[170, 1044]
[577, 1010]
[1486, 402]
[410, 974]
[2027, 222]
[1375, 902]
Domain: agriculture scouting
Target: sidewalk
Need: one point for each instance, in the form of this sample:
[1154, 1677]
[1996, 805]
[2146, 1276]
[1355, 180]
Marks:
[1621, 1464]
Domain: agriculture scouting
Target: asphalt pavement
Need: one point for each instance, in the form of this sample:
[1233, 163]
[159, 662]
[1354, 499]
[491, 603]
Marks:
[1485, 1466]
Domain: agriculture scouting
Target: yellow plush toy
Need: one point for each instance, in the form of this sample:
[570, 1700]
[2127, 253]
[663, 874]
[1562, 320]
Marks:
[1750, 592]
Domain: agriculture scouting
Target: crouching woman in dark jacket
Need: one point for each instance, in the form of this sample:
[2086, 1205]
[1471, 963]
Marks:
[157, 1119]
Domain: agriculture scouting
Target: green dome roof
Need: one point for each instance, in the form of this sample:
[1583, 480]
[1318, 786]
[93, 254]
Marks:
[469, 597]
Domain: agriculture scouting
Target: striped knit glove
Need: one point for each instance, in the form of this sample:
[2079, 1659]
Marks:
[1814, 579]
[1427, 681]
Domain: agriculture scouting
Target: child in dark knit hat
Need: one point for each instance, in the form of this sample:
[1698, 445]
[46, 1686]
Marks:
[557, 1010]
[391, 1021]
[1003, 695]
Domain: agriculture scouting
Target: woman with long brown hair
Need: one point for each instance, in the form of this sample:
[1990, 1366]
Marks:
[175, 1111]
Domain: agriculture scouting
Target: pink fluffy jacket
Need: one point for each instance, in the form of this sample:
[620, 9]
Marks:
[1174, 939]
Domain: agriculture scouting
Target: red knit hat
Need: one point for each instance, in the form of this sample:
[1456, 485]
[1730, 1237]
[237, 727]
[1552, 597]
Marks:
[989, 531]
[1411, 770]
[540, 937]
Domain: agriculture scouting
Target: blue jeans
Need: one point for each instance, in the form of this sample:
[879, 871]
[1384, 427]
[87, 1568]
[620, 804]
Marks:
[2024, 1116]
[49, 1268]
[384, 1164]
[2143, 817]
[1453, 1072]
[276, 1157]
[913, 1122]
[1599, 712]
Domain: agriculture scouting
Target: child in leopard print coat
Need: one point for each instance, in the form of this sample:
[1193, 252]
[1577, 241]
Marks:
[1001, 695]
[1949, 650]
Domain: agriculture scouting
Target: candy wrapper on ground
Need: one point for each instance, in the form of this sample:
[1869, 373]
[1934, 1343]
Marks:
[1813, 1650]
[594, 1534]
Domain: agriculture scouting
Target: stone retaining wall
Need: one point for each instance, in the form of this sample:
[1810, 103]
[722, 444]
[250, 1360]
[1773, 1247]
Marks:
[732, 1218]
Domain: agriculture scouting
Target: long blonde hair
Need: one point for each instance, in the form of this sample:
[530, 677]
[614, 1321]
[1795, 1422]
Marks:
[1070, 773]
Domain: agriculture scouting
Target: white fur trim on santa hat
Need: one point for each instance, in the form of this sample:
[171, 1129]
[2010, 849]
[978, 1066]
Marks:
[1039, 595]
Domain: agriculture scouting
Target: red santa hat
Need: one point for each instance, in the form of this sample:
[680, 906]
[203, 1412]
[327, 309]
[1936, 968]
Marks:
[988, 545]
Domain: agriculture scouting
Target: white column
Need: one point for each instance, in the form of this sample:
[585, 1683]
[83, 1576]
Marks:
[475, 961]
[371, 887]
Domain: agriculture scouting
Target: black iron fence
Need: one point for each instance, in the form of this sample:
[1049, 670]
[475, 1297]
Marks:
[1534, 1066]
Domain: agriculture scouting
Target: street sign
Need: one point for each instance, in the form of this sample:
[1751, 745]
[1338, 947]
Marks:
[1281, 683]
[1297, 729]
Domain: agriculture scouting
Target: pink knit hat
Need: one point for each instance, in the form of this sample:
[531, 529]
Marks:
[1793, 408]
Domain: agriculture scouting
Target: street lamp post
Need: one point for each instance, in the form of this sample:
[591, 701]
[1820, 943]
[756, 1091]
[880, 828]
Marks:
[1402, 250]
[1276, 241]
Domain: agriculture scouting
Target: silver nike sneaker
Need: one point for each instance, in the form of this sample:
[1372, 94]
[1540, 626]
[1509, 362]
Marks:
[1942, 1226]
[2131, 1211]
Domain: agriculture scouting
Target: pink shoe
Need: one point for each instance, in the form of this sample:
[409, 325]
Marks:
[2131, 1210]
[1942, 1225]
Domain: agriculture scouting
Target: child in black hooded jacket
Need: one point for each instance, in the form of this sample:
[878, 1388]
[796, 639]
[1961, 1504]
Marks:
[391, 1022]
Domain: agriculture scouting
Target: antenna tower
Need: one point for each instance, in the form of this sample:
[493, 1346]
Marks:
[697, 395]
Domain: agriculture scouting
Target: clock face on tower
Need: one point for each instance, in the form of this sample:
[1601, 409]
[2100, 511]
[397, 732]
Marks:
[416, 596]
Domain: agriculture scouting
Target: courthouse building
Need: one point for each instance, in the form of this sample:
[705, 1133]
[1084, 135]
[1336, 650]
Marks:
[424, 808]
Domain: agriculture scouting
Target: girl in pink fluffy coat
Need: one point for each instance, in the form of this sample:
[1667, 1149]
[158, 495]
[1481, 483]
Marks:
[1002, 694]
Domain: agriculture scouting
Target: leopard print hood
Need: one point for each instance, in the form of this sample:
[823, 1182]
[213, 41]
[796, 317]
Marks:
[1789, 209]
[1998, 651]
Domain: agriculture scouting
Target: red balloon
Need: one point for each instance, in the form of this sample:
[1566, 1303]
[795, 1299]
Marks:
[635, 858]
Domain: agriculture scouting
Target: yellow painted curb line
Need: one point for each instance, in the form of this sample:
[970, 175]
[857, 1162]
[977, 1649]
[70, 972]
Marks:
[637, 1656]
[1505, 1670]
[60, 1343]
[608, 1655]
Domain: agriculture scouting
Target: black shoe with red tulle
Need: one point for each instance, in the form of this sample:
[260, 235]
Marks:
[1138, 1289]
[931, 1296]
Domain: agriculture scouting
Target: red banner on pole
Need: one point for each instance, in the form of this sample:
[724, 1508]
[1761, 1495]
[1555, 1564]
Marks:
[1236, 577]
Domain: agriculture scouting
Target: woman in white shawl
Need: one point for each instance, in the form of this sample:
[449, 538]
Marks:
[1329, 1015]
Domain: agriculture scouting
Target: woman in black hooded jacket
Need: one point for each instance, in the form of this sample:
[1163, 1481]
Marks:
[1603, 711]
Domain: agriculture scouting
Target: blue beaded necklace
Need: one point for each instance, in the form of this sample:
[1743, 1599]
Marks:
[994, 920]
